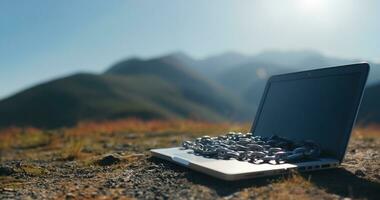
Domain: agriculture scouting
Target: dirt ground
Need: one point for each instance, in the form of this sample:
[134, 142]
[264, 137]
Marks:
[118, 165]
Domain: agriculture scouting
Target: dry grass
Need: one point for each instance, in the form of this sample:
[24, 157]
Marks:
[72, 150]
[23, 138]
[93, 138]
[367, 131]
[157, 126]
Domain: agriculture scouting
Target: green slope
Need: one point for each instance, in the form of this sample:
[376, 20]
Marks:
[191, 85]
[66, 101]
[157, 88]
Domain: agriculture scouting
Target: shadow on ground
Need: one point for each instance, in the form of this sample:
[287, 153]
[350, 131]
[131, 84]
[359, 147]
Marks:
[335, 181]
[344, 183]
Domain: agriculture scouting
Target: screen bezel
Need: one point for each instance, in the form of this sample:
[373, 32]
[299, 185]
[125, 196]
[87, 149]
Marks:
[362, 69]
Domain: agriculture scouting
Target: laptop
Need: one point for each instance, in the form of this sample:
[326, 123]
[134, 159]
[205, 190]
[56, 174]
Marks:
[319, 105]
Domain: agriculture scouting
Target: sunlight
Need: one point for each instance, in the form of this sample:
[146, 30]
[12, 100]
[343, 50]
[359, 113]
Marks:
[311, 6]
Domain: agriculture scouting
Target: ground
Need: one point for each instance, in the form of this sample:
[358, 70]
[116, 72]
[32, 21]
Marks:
[111, 160]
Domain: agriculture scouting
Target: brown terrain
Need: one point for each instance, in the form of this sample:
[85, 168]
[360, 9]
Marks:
[111, 160]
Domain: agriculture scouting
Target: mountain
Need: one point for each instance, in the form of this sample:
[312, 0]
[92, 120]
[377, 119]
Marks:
[155, 88]
[248, 80]
[223, 87]
[66, 101]
[307, 59]
[214, 66]
[192, 85]
[300, 59]
[370, 107]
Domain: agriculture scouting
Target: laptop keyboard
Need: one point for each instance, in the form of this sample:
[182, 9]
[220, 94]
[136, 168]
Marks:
[255, 149]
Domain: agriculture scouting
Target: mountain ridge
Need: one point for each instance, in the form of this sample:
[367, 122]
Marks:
[220, 88]
[163, 89]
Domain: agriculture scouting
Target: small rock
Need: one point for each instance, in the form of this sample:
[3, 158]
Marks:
[6, 171]
[8, 190]
[109, 160]
[70, 196]
[94, 194]
[359, 173]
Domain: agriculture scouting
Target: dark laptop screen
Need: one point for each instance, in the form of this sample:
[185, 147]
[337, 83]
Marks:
[316, 108]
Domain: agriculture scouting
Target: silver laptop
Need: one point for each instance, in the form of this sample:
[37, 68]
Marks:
[319, 105]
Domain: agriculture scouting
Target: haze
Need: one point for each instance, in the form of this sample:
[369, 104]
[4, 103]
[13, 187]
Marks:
[42, 39]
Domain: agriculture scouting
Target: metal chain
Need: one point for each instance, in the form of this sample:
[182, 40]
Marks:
[255, 149]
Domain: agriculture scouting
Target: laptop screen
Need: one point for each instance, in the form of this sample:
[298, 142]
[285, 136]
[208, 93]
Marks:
[312, 108]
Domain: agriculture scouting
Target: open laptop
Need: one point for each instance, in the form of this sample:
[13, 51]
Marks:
[319, 105]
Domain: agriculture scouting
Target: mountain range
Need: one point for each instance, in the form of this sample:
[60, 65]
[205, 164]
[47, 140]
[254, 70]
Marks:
[217, 88]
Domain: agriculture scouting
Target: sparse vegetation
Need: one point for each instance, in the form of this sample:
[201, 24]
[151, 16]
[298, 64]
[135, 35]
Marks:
[95, 135]
[57, 162]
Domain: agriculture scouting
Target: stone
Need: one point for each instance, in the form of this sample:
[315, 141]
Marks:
[70, 196]
[6, 171]
[8, 190]
[109, 160]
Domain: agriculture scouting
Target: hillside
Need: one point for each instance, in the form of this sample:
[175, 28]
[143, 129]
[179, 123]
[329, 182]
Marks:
[248, 80]
[149, 89]
[214, 66]
[192, 85]
[66, 101]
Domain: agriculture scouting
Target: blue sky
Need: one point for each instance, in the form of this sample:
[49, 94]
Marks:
[43, 39]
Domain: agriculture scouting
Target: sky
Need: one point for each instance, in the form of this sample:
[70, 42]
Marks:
[42, 39]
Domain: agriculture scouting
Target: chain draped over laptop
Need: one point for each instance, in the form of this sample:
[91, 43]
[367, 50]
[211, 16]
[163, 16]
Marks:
[256, 149]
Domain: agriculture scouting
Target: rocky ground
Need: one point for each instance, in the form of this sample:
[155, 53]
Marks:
[119, 166]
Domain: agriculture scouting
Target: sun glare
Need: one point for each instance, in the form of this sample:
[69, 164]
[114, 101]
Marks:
[311, 6]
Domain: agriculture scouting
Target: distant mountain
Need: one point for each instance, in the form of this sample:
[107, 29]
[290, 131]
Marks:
[223, 87]
[192, 85]
[370, 108]
[156, 88]
[66, 101]
[303, 60]
[248, 80]
[214, 66]
[300, 59]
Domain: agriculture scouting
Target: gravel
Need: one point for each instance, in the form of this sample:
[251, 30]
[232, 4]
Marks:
[112, 176]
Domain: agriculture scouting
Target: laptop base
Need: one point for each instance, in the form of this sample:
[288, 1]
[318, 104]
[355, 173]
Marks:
[235, 170]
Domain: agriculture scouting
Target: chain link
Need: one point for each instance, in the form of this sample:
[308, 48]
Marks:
[255, 149]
